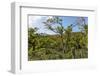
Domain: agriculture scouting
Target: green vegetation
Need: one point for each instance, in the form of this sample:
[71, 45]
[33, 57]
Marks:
[65, 44]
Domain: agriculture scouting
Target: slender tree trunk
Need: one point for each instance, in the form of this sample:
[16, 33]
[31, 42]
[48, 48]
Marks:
[73, 53]
[62, 44]
[62, 40]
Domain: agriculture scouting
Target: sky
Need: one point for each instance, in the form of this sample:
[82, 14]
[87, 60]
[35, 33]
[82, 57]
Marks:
[37, 21]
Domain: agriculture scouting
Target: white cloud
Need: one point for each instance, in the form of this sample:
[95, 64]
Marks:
[37, 21]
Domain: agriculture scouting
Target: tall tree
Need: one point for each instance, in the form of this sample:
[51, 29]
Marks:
[59, 29]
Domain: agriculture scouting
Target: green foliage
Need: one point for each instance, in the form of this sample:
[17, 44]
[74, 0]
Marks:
[66, 44]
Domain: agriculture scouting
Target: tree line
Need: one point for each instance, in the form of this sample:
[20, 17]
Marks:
[64, 44]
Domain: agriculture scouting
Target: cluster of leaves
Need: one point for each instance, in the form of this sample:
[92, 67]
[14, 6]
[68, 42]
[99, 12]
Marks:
[65, 44]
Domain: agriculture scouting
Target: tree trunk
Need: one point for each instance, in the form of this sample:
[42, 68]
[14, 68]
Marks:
[62, 44]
